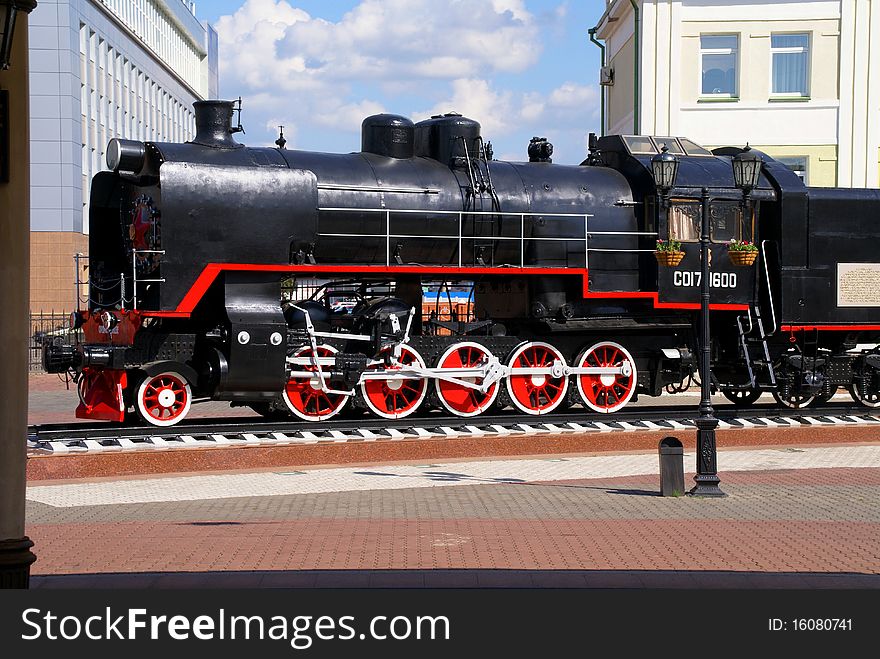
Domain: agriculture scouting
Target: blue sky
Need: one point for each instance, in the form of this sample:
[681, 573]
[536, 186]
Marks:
[522, 68]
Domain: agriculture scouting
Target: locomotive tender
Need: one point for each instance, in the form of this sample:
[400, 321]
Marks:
[191, 244]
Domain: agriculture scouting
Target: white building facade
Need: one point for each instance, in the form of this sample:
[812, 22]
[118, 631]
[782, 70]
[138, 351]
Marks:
[798, 80]
[101, 69]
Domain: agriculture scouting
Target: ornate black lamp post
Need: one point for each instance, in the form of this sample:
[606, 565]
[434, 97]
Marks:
[664, 167]
[706, 478]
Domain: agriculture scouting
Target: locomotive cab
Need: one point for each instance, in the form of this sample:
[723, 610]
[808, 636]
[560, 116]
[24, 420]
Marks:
[672, 220]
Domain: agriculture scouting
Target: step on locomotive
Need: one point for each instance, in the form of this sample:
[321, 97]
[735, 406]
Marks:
[197, 250]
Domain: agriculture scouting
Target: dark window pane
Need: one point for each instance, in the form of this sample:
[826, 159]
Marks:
[671, 144]
[719, 74]
[725, 222]
[638, 144]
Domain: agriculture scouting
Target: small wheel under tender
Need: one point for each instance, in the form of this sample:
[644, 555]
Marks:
[741, 397]
[395, 398]
[457, 398]
[607, 393]
[163, 399]
[866, 396]
[536, 393]
[305, 397]
[793, 401]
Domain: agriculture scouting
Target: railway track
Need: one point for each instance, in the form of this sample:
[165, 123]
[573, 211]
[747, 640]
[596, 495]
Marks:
[60, 439]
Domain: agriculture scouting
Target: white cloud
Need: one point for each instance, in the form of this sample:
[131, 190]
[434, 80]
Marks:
[499, 112]
[321, 78]
[270, 48]
[350, 114]
[476, 99]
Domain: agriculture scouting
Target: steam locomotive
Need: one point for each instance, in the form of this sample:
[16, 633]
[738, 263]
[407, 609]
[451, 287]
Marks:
[193, 246]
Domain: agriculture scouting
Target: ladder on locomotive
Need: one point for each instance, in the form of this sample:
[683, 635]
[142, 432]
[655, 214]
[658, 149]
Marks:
[480, 185]
[754, 348]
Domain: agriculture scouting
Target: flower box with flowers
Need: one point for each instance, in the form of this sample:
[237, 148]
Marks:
[668, 252]
[742, 252]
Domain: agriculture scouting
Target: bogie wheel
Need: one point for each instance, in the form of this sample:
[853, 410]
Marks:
[305, 397]
[536, 393]
[793, 401]
[163, 399]
[395, 398]
[459, 399]
[741, 397]
[867, 396]
[607, 393]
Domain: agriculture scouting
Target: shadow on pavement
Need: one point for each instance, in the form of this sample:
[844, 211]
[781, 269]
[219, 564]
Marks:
[631, 579]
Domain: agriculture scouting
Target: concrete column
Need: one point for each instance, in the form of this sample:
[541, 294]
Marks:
[15, 554]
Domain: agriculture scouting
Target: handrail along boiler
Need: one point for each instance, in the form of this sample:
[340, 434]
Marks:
[192, 245]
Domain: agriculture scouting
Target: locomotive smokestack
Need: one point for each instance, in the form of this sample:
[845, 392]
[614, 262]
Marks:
[214, 124]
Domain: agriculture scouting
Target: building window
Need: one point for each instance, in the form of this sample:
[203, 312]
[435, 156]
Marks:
[718, 54]
[791, 62]
[797, 164]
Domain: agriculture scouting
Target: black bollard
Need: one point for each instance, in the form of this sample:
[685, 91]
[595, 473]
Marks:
[671, 467]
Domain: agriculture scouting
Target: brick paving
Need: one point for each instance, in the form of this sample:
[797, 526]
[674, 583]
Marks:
[446, 474]
[802, 528]
[322, 544]
[796, 517]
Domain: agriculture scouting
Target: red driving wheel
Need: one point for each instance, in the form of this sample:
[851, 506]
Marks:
[607, 393]
[457, 398]
[536, 393]
[395, 398]
[304, 395]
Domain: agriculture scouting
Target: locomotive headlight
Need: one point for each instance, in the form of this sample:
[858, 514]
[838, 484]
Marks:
[76, 320]
[126, 155]
[109, 321]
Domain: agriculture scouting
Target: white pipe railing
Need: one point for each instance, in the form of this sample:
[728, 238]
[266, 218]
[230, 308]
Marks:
[136, 281]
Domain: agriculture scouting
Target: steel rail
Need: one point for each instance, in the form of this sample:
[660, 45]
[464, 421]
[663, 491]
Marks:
[195, 433]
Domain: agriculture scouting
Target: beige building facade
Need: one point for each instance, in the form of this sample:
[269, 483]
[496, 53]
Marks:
[797, 80]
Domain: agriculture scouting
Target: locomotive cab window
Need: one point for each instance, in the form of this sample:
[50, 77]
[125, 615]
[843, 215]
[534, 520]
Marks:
[684, 221]
[725, 221]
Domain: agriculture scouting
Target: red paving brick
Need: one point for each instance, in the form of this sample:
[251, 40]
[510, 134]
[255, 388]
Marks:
[777, 529]
[754, 546]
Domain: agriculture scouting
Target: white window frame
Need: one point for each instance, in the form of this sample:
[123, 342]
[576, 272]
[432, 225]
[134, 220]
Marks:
[719, 51]
[796, 49]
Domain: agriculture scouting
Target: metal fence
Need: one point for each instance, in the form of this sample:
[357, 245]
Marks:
[45, 327]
